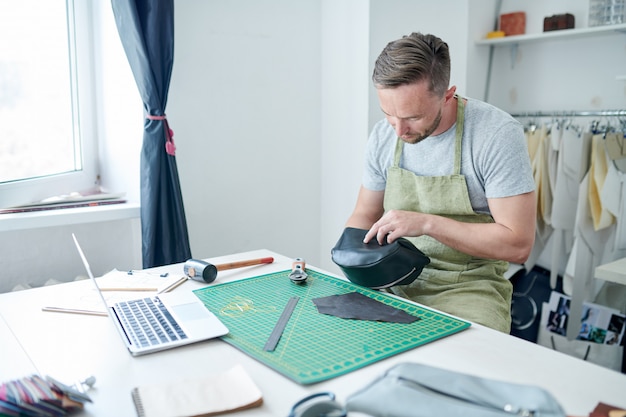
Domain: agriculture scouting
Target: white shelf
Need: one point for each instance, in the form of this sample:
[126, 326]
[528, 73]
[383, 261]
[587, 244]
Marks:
[555, 34]
[613, 271]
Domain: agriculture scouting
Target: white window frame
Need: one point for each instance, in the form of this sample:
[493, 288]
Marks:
[80, 15]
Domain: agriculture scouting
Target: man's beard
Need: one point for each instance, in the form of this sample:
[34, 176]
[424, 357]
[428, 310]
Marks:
[427, 132]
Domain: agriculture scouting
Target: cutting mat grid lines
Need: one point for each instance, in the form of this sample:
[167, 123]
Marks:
[315, 347]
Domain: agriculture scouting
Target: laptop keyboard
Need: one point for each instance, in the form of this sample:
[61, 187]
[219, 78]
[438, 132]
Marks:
[148, 323]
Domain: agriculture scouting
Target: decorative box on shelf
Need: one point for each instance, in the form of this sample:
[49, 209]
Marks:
[558, 22]
[513, 23]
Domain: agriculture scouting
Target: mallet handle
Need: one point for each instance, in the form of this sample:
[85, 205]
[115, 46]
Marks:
[241, 264]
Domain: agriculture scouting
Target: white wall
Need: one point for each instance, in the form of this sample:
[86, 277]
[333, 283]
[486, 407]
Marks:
[561, 74]
[345, 77]
[244, 103]
[34, 257]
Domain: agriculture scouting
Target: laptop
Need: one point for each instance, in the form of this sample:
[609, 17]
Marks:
[165, 321]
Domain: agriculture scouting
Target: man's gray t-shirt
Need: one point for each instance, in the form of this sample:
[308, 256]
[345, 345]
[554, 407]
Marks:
[495, 159]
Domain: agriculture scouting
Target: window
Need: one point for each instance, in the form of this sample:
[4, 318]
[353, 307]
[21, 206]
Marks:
[48, 144]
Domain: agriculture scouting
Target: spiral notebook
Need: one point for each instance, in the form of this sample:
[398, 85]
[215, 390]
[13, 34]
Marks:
[215, 394]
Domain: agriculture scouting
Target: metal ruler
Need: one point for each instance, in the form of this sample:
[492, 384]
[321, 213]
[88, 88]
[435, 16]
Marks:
[272, 342]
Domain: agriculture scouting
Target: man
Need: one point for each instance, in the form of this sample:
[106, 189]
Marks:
[452, 175]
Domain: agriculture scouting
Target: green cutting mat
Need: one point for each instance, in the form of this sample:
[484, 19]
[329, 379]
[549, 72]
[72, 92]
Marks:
[315, 347]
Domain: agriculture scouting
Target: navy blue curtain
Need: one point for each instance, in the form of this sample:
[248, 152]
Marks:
[146, 28]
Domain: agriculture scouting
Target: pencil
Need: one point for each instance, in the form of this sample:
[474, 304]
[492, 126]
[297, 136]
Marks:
[173, 285]
[74, 311]
[241, 264]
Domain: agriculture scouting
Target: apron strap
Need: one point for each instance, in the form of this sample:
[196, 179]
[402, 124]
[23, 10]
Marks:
[460, 117]
[398, 153]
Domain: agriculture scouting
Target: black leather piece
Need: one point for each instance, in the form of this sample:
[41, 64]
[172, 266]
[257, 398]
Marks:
[377, 266]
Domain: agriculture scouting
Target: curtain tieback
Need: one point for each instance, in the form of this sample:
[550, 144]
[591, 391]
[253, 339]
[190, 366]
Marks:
[170, 148]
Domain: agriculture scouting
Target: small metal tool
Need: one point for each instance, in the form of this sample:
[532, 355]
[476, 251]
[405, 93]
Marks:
[298, 274]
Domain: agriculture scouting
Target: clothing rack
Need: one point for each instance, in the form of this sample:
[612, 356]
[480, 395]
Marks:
[591, 113]
[595, 127]
[584, 257]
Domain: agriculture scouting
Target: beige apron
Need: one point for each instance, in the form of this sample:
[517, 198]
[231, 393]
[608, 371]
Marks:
[465, 286]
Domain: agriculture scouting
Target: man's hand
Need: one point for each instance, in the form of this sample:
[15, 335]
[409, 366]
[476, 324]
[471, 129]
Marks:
[395, 224]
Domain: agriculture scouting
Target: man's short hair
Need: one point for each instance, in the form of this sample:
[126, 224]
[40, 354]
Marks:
[414, 58]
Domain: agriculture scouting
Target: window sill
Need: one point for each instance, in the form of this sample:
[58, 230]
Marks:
[68, 216]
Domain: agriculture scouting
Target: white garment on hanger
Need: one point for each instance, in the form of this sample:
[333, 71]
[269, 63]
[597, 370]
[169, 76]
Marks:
[602, 218]
[566, 189]
[593, 248]
[613, 196]
[565, 196]
[539, 150]
[538, 142]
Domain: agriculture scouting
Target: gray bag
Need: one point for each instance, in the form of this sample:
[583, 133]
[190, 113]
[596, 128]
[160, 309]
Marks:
[415, 390]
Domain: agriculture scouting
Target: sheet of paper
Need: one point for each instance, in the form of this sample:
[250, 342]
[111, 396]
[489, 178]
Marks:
[137, 281]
